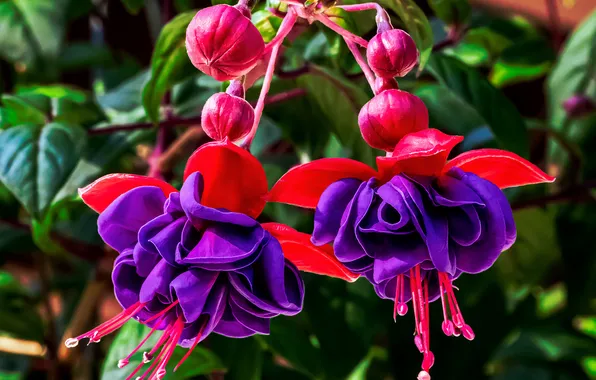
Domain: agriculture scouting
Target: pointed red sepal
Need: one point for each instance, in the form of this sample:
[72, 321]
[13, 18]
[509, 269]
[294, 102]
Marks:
[419, 153]
[307, 257]
[233, 178]
[504, 169]
[101, 193]
[303, 184]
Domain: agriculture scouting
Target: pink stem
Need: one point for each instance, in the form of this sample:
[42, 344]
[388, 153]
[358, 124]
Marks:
[361, 7]
[285, 28]
[370, 77]
[325, 20]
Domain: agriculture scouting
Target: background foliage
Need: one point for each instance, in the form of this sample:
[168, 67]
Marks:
[84, 84]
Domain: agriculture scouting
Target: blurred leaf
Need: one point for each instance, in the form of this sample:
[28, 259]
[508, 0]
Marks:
[267, 135]
[359, 373]
[134, 6]
[534, 253]
[340, 102]
[521, 62]
[169, 64]
[589, 365]
[126, 96]
[552, 300]
[36, 161]
[30, 28]
[200, 362]
[453, 12]
[497, 111]
[416, 24]
[14, 240]
[18, 317]
[56, 91]
[10, 376]
[573, 74]
[242, 357]
[480, 46]
[266, 23]
[17, 110]
[586, 324]
[83, 55]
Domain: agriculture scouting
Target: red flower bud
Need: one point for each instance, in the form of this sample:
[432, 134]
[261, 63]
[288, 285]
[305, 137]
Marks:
[389, 116]
[392, 53]
[223, 43]
[226, 115]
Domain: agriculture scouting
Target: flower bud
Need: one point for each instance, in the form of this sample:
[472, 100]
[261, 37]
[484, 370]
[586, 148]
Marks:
[392, 53]
[389, 116]
[223, 43]
[382, 84]
[578, 106]
[226, 115]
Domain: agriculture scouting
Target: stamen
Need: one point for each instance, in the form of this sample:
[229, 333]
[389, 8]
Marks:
[169, 349]
[423, 375]
[194, 345]
[71, 342]
[122, 363]
[162, 312]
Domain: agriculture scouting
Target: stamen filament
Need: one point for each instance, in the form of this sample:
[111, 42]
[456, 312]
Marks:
[194, 345]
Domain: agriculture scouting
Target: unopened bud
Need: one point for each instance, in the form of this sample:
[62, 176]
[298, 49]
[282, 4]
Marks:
[578, 106]
[225, 115]
[223, 43]
[382, 84]
[389, 116]
[392, 53]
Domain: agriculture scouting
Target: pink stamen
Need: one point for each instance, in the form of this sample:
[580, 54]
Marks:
[162, 312]
[194, 345]
[169, 349]
[107, 327]
[126, 360]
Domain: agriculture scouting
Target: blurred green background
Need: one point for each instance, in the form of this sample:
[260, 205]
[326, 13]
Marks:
[84, 84]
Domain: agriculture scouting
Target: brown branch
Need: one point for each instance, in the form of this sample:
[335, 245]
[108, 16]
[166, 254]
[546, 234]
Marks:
[576, 194]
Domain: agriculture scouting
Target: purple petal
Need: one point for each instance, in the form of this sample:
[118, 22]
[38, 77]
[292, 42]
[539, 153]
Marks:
[192, 289]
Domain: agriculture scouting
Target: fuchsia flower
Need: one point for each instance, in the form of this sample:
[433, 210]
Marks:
[196, 261]
[392, 53]
[417, 223]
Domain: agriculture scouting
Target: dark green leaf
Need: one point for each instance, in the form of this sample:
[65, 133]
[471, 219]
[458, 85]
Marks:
[498, 112]
[574, 74]
[340, 102]
[36, 161]
[134, 6]
[242, 357]
[521, 62]
[453, 12]
[480, 47]
[169, 65]
[18, 317]
[201, 361]
[31, 28]
[416, 25]
[266, 23]
[17, 110]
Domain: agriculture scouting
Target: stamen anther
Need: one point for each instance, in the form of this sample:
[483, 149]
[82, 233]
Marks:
[71, 342]
[448, 328]
[423, 375]
[468, 333]
[123, 363]
[147, 357]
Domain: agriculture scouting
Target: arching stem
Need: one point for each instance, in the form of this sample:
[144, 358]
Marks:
[370, 76]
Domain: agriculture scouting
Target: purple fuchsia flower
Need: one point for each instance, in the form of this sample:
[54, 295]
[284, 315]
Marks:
[196, 262]
[415, 225]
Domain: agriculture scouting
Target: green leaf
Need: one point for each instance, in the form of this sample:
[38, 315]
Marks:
[521, 62]
[359, 373]
[169, 64]
[36, 160]
[200, 362]
[480, 47]
[134, 6]
[416, 24]
[31, 28]
[498, 112]
[242, 357]
[453, 12]
[55, 91]
[20, 110]
[266, 23]
[574, 74]
[340, 101]
[18, 317]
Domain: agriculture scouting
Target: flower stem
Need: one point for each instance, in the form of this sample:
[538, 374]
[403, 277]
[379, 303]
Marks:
[285, 28]
[325, 20]
[370, 77]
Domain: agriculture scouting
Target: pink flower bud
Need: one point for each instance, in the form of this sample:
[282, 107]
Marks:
[382, 84]
[223, 43]
[578, 106]
[226, 115]
[389, 116]
[392, 53]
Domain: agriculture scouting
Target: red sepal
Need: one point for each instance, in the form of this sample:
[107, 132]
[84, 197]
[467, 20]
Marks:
[504, 169]
[101, 193]
[233, 178]
[307, 257]
[303, 184]
[419, 153]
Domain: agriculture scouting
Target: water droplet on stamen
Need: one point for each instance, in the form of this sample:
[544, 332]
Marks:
[122, 363]
[468, 333]
[447, 327]
[147, 357]
[423, 375]
[71, 343]
[402, 309]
